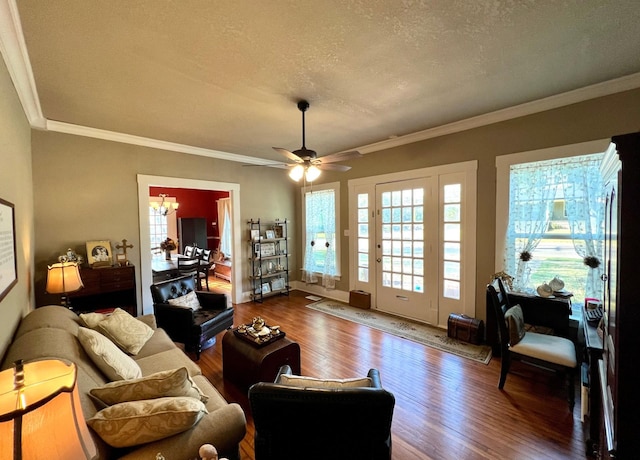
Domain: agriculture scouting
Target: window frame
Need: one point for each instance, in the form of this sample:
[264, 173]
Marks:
[335, 187]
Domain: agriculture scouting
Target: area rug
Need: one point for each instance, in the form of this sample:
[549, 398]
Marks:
[427, 335]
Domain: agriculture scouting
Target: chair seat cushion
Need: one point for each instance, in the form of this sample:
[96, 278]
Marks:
[551, 348]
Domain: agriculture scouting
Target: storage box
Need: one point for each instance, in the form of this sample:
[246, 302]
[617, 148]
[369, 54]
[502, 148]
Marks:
[465, 328]
[360, 299]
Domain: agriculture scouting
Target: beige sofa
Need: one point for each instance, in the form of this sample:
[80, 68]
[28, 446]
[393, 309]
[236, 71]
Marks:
[51, 332]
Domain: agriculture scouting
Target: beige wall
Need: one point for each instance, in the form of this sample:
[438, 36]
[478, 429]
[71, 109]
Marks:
[86, 189]
[592, 120]
[16, 187]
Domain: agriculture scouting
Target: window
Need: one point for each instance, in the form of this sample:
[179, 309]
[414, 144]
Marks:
[452, 232]
[157, 228]
[556, 217]
[320, 240]
[363, 237]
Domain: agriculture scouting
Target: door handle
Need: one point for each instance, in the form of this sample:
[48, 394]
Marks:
[378, 260]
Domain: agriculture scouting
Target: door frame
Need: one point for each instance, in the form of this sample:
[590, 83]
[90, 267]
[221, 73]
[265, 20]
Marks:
[146, 276]
[356, 186]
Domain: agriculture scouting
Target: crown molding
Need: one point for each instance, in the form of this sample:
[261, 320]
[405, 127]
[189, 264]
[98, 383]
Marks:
[77, 130]
[606, 88]
[16, 57]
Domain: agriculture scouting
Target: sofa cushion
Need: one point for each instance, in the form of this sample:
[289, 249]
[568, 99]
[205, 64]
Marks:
[311, 382]
[174, 382]
[125, 331]
[139, 422]
[189, 300]
[115, 364]
[169, 359]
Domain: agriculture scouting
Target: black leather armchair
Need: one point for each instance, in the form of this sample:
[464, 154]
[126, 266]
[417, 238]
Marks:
[196, 329]
[294, 422]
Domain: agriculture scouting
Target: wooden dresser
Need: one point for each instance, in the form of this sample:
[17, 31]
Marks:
[618, 369]
[106, 288]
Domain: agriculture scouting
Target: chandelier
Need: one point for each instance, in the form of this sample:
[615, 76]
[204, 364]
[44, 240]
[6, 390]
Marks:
[164, 207]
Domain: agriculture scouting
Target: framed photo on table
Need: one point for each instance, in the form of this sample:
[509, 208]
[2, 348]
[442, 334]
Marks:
[270, 234]
[99, 253]
[8, 261]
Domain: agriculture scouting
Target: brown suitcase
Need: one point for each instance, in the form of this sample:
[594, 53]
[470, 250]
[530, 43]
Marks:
[465, 328]
[360, 299]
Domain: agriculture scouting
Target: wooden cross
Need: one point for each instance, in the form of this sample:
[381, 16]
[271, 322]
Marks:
[124, 247]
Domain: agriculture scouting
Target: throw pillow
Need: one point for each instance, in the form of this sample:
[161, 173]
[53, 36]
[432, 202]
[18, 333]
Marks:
[138, 422]
[515, 322]
[301, 381]
[112, 361]
[174, 382]
[91, 320]
[125, 331]
[189, 300]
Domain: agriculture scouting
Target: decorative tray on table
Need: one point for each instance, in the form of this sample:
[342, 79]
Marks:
[258, 333]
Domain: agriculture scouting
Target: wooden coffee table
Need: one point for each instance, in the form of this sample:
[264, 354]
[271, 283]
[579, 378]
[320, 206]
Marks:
[245, 364]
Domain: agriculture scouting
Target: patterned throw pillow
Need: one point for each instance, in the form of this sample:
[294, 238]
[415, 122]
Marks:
[112, 361]
[301, 381]
[189, 300]
[125, 331]
[515, 322]
[91, 320]
[138, 422]
[174, 382]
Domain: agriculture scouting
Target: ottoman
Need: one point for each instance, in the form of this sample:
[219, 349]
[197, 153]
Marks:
[245, 364]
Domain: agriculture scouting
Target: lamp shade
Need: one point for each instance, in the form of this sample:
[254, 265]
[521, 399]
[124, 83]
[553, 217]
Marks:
[63, 278]
[40, 413]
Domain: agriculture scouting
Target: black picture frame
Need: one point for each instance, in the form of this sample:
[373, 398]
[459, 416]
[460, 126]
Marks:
[8, 260]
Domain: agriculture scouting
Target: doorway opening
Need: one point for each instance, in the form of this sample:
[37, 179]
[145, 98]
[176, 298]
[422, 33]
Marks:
[148, 183]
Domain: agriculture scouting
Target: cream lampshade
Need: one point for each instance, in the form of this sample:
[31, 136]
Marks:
[63, 278]
[40, 413]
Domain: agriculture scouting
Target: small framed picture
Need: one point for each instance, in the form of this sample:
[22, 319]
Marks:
[267, 249]
[277, 230]
[121, 259]
[99, 253]
[270, 234]
[277, 284]
[266, 289]
[255, 235]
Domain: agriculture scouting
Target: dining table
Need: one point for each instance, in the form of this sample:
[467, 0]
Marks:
[163, 268]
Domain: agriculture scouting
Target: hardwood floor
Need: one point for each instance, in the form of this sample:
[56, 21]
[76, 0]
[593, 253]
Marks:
[447, 407]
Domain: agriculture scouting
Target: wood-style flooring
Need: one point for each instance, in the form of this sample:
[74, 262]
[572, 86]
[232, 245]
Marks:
[447, 407]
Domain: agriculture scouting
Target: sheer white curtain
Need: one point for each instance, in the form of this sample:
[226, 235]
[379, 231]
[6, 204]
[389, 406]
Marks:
[224, 225]
[319, 254]
[533, 189]
[532, 192]
[585, 211]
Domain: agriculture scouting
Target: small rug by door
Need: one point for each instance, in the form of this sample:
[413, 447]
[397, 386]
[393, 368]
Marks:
[422, 333]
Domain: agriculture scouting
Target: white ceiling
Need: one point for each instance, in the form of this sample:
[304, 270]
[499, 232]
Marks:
[224, 76]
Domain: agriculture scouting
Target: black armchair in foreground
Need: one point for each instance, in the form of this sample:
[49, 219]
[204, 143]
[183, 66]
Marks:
[189, 316]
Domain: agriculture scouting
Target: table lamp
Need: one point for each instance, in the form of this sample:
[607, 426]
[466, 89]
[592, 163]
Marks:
[63, 278]
[40, 413]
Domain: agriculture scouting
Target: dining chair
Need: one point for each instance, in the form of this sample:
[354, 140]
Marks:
[541, 350]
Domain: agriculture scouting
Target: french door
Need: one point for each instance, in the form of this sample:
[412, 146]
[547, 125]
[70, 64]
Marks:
[414, 246]
[405, 236]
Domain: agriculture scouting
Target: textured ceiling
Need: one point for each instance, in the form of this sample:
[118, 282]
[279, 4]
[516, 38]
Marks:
[226, 75]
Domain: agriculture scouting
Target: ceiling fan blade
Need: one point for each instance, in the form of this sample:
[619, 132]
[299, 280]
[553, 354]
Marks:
[274, 165]
[343, 156]
[332, 167]
[290, 155]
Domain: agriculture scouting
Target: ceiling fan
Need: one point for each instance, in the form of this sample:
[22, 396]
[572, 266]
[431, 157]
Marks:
[307, 164]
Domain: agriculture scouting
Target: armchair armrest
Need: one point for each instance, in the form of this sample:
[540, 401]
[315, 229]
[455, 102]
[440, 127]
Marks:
[176, 321]
[212, 300]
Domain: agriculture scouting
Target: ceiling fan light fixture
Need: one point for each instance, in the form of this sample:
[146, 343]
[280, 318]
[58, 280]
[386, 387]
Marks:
[312, 173]
[296, 172]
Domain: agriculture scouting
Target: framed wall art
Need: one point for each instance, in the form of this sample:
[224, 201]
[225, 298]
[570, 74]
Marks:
[99, 253]
[267, 249]
[8, 261]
